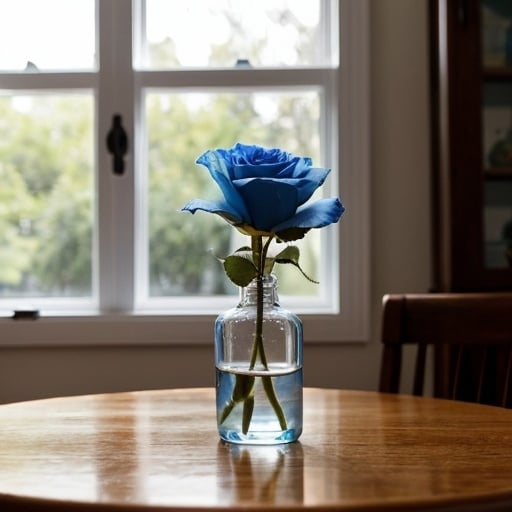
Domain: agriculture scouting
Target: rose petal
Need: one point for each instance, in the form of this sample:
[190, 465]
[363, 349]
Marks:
[300, 169]
[262, 171]
[269, 201]
[217, 207]
[219, 172]
[315, 215]
[306, 186]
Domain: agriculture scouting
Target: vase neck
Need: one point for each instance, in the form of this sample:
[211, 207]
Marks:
[249, 294]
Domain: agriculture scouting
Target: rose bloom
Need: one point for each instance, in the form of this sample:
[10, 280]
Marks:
[265, 190]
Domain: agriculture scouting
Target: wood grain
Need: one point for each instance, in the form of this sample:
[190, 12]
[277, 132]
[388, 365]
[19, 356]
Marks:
[159, 451]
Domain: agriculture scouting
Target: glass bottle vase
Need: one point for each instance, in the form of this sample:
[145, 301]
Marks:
[258, 358]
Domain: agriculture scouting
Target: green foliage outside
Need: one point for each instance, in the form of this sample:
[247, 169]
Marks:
[180, 128]
[47, 177]
[46, 195]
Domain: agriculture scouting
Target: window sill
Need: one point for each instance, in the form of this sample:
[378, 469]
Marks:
[89, 329]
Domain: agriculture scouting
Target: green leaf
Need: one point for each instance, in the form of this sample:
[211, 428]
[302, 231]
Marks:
[269, 265]
[240, 269]
[292, 234]
[291, 256]
[290, 252]
[243, 250]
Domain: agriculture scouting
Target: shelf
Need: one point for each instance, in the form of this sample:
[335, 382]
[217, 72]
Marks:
[498, 172]
[472, 120]
[497, 73]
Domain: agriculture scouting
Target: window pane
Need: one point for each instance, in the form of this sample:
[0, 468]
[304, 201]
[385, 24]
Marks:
[46, 198]
[202, 33]
[180, 127]
[47, 35]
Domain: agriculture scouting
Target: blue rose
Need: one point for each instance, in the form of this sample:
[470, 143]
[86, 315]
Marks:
[265, 191]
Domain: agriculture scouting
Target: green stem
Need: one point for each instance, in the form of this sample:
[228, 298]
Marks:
[259, 255]
[243, 391]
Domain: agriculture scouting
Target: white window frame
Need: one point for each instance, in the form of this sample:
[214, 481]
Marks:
[113, 322]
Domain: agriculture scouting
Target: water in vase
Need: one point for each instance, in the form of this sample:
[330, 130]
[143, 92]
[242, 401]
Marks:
[264, 426]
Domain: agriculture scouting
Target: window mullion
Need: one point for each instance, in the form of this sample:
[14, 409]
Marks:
[115, 192]
[204, 78]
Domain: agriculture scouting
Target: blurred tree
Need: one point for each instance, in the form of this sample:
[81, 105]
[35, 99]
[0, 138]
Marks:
[63, 263]
[46, 170]
[46, 157]
[16, 213]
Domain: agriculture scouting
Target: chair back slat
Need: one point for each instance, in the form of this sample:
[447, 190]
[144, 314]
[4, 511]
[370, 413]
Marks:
[505, 402]
[419, 370]
[481, 374]
[471, 335]
[459, 350]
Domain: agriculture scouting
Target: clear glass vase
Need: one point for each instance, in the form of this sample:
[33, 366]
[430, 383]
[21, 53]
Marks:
[258, 357]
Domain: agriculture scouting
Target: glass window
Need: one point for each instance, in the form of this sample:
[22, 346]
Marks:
[180, 126]
[201, 33]
[49, 35]
[112, 250]
[47, 195]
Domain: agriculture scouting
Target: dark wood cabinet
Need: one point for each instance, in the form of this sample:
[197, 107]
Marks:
[471, 70]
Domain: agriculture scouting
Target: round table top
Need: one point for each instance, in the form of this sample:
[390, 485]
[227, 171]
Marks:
[159, 451]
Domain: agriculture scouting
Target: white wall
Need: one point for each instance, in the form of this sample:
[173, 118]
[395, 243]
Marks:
[400, 243]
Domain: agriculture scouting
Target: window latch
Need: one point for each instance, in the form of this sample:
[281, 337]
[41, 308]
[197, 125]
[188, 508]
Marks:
[117, 144]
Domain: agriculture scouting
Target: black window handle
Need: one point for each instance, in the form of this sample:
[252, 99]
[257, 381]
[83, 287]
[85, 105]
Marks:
[117, 144]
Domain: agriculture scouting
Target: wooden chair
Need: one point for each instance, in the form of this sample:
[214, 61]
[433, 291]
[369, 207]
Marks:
[471, 334]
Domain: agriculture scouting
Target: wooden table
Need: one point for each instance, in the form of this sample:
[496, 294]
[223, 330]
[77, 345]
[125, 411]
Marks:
[159, 451]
